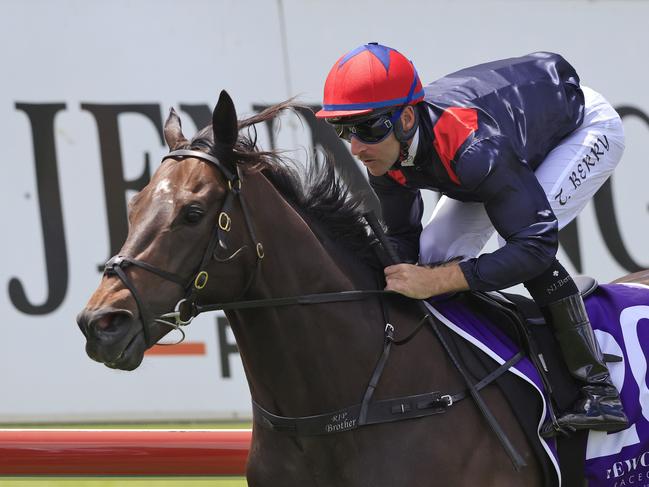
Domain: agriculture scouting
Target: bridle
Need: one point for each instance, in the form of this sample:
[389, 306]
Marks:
[183, 313]
[187, 308]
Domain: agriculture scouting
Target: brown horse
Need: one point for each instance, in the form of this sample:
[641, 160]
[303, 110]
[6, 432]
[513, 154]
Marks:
[272, 239]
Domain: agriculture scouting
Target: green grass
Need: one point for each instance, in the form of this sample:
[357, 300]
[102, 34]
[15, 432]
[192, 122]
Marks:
[127, 481]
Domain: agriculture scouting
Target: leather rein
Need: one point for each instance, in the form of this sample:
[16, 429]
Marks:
[365, 413]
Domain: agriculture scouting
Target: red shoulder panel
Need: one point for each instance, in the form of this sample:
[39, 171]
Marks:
[451, 130]
[398, 176]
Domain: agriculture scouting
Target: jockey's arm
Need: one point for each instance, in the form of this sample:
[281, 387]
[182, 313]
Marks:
[520, 212]
[402, 209]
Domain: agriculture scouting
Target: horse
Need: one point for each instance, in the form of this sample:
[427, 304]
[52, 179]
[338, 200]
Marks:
[222, 221]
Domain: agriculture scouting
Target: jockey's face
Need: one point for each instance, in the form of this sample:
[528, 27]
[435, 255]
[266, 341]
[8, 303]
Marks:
[379, 157]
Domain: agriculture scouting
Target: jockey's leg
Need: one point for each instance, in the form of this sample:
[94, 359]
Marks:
[455, 229]
[599, 407]
[571, 174]
[581, 163]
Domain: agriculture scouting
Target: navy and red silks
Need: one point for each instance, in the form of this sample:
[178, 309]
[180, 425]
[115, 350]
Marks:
[483, 131]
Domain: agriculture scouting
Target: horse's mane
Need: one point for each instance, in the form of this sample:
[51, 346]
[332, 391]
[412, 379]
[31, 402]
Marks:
[314, 188]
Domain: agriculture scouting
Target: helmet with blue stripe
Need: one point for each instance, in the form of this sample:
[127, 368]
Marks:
[370, 78]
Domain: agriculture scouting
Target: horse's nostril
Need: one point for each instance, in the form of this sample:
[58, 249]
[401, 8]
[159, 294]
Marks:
[107, 323]
[104, 322]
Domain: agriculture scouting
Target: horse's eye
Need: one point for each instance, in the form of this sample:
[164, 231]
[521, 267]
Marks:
[193, 215]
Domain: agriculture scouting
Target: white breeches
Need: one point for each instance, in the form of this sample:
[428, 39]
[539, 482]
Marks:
[570, 175]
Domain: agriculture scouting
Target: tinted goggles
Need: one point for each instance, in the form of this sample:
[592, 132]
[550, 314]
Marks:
[369, 131]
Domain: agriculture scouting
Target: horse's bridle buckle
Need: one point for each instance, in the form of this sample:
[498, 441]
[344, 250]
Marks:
[115, 261]
[234, 185]
[225, 222]
[389, 332]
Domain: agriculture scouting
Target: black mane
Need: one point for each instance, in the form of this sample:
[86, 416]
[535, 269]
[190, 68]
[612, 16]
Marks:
[314, 189]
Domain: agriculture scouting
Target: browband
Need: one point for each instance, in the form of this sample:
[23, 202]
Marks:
[205, 157]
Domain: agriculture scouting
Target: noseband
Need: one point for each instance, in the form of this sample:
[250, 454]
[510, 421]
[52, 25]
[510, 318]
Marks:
[183, 313]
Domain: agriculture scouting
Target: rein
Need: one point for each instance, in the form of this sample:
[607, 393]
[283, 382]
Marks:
[192, 309]
[365, 413]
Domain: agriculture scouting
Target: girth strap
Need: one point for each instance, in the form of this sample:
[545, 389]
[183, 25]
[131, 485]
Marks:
[377, 412]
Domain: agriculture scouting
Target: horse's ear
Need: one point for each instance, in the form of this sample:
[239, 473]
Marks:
[173, 131]
[224, 122]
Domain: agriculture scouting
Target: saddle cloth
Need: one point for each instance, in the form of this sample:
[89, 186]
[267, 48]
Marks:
[619, 314]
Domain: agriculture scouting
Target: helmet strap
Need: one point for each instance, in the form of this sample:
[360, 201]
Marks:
[404, 148]
[402, 135]
[403, 151]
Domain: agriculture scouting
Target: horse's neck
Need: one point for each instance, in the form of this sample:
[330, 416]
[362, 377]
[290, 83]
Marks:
[302, 352]
[298, 262]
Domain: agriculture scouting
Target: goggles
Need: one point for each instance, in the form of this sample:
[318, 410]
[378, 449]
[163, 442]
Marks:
[369, 131]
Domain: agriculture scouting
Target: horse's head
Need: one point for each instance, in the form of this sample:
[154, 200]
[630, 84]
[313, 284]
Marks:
[187, 220]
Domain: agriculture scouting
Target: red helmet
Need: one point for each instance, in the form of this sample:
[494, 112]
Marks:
[367, 78]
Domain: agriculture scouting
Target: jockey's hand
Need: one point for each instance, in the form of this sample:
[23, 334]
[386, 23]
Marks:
[410, 280]
[423, 282]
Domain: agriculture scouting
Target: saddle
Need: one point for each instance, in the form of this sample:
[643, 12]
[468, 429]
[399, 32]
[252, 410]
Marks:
[521, 320]
[527, 327]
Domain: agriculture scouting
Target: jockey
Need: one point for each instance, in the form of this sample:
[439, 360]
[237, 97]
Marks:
[516, 146]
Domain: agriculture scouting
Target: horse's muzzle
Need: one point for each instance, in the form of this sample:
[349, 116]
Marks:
[113, 337]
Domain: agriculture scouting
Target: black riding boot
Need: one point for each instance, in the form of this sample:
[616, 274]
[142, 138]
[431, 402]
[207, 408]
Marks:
[600, 407]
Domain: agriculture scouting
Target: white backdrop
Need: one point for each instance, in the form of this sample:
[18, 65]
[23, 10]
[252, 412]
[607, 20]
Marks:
[76, 53]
